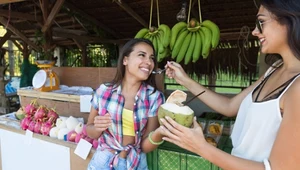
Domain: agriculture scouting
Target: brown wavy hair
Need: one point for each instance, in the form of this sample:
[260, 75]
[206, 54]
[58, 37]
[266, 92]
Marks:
[286, 12]
[126, 50]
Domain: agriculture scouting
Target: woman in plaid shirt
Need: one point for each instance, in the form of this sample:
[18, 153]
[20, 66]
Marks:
[124, 112]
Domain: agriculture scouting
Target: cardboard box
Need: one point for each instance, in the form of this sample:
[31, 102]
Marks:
[64, 104]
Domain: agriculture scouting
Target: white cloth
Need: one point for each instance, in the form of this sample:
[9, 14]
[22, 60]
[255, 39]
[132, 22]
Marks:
[256, 128]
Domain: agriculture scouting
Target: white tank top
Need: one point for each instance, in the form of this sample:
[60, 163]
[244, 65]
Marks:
[256, 127]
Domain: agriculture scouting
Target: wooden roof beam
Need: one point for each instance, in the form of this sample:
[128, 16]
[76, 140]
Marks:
[17, 45]
[92, 19]
[5, 38]
[63, 21]
[56, 8]
[132, 13]
[79, 44]
[9, 1]
[19, 15]
[86, 39]
[3, 21]
[71, 31]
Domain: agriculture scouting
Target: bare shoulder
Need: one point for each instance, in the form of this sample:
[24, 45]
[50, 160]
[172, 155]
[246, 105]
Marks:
[291, 97]
[285, 153]
[294, 90]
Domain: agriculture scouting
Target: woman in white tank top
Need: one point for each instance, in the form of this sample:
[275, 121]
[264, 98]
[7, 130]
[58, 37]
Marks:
[266, 134]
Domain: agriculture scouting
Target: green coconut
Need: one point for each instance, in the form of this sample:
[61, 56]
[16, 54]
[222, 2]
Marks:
[20, 114]
[181, 114]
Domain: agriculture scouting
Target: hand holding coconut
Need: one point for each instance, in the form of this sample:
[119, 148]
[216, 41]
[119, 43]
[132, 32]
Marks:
[179, 125]
[188, 138]
[174, 109]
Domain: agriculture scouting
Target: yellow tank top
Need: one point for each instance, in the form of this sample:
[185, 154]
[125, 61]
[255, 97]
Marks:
[128, 125]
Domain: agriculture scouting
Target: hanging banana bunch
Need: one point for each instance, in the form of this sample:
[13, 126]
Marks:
[160, 37]
[189, 41]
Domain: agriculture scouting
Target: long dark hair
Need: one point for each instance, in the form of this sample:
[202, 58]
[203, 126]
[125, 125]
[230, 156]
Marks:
[126, 50]
[287, 12]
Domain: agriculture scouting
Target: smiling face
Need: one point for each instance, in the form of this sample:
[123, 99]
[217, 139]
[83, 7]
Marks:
[140, 62]
[273, 35]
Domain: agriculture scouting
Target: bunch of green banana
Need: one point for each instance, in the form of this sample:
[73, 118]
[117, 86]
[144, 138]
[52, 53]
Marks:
[190, 41]
[160, 38]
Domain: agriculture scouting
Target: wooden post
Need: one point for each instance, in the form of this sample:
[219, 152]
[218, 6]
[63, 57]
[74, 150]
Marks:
[3, 104]
[25, 51]
[11, 59]
[82, 47]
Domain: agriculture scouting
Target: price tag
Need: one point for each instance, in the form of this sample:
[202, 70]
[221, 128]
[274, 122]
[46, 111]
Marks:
[83, 148]
[85, 103]
[28, 137]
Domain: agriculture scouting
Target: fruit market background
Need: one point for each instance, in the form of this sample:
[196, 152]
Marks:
[89, 34]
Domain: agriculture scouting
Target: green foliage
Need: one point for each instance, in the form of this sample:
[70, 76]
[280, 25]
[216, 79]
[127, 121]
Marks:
[103, 55]
[27, 72]
[40, 41]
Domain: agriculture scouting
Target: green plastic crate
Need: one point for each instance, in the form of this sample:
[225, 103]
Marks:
[170, 160]
[171, 157]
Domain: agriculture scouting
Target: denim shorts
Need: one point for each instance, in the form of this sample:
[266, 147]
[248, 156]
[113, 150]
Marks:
[100, 161]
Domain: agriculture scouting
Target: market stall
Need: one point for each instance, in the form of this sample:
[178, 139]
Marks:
[36, 150]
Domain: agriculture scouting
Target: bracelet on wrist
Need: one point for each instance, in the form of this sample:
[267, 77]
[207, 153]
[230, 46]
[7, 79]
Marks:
[267, 164]
[151, 141]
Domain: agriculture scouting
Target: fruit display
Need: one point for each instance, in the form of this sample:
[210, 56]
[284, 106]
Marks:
[38, 119]
[192, 40]
[185, 42]
[45, 121]
[160, 38]
[71, 129]
[174, 109]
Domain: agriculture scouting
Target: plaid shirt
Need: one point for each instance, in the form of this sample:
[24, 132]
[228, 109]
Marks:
[110, 100]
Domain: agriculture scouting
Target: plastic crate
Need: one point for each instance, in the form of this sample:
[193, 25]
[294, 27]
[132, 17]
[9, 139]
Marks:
[171, 157]
[170, 160]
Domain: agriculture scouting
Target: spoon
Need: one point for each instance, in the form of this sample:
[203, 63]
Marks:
[159, 71]
[186, 102]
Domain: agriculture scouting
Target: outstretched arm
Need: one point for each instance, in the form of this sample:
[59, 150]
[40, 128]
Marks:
[220, 103]
[285, 152]
[192, 139]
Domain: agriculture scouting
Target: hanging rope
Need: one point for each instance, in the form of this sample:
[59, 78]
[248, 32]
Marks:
[190, 6]
[244, 36]
[151, 9]
[157, 10]
[200, 16]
